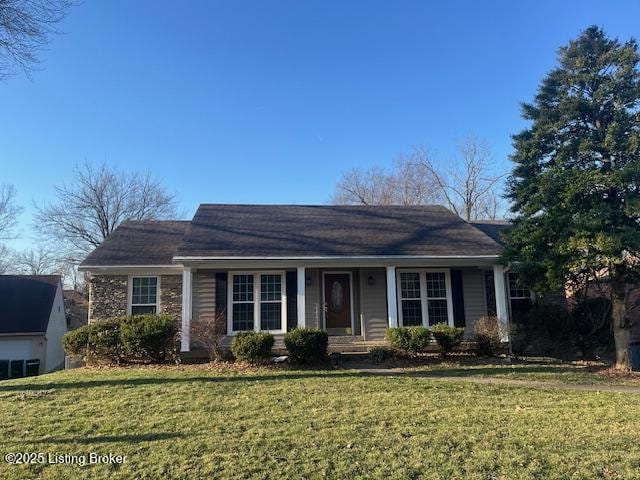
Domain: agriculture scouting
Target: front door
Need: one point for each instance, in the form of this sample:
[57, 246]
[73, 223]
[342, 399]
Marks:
[337, 303]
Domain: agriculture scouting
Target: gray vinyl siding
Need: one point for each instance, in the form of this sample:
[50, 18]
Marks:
[374, 302]
[312, 305]
[204, 293]
[357, 327]
[474, 298]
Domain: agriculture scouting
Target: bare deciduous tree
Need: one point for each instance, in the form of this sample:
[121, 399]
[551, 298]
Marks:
[39, 261]
[5, 259]
[9, 211]
[25, 26]
[86, 211]
[469, 187]
[409, 183]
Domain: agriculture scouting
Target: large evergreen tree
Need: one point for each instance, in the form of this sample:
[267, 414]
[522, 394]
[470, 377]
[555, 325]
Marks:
[575, 186]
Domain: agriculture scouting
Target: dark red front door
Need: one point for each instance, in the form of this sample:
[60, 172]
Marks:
[337, 298]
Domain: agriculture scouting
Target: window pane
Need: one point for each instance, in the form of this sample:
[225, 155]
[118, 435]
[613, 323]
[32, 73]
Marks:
[436, 285]
[515, 290]
[410, 285]
[141, 310]
[437, 311]
[270, 288]
[270, 316]
[242, 316]
[243, 288]
[144, 290]
[411, 313]
[490, 293]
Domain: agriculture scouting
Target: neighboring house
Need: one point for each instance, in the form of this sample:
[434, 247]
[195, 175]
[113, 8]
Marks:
[32, 321]
[351, 270]
[77, 308]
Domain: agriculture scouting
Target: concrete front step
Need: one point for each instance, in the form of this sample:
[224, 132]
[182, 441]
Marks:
[345, 339]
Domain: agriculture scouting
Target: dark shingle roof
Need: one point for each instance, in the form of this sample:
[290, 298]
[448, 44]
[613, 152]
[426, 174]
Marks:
[25, 302]
[493, 228]
[308, 231]
[145, 242]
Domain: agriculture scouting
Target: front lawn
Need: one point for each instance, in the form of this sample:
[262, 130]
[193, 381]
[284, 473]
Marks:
[470, 367]
[190, 422]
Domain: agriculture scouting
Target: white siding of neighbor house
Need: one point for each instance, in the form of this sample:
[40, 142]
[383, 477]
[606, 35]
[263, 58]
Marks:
[54, 357]
[474, 298]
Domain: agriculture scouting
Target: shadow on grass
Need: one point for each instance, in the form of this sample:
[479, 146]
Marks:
[480, 372]
[133, 382]
[145, 437]
[354, 372]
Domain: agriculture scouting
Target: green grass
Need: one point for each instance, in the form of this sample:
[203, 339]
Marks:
[199, 423]
[549, 372]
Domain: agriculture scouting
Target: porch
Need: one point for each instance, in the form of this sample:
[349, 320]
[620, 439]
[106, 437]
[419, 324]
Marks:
[355, 304]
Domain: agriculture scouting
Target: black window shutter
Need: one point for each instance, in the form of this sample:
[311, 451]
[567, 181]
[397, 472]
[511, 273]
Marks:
[457, 295]
[292, 300]
[221, 296]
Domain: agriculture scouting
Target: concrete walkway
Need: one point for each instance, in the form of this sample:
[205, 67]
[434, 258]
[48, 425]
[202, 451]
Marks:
[552, 384]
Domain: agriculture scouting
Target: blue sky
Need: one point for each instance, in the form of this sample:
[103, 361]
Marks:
[270, 101]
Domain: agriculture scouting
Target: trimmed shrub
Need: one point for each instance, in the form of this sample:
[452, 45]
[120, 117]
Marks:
[75, 342]
[252, 347]
[447, 336]
[307, 345]
[380, 354]
[150, 336]
[103, 340]
[408, 339]
[487, 335]
[546, 330]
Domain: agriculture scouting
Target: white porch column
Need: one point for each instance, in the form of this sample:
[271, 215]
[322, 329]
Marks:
[185, 345]
[392, 300]
[501, 301]
[301, 296]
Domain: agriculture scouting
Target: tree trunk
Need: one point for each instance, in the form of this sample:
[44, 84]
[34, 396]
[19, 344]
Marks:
[621, 324]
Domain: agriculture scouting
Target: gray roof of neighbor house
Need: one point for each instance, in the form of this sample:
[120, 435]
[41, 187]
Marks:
[144, 242]
[328, 231]
[26, 301]
[493, 228]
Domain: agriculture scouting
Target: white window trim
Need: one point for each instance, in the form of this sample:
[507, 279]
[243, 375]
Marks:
[423, 293]
[130, 293]
[324, 300]
[526, 297]
[256, 300]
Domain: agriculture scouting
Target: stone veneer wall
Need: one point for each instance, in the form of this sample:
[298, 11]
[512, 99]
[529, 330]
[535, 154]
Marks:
[107, 296]
[171, 295]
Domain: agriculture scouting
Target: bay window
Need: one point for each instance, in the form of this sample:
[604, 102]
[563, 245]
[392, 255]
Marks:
[257, 301]
[425, 297]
